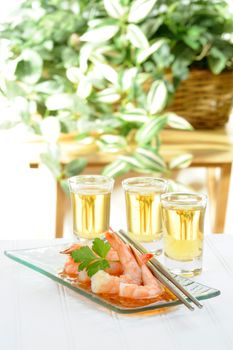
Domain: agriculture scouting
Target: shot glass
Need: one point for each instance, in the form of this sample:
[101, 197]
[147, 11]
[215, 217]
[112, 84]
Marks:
[143, 210]
[183, 222]
[90, 202]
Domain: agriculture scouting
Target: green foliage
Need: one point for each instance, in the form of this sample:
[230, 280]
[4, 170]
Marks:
[100, 67]
[75, 167]
[93, 259]
[100, 247]
[52, 162]
[51, 159]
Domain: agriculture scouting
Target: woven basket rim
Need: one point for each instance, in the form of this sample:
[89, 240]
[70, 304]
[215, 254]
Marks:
[204, 99]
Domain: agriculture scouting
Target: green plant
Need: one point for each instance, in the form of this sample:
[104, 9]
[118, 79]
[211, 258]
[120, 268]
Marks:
[101, 68]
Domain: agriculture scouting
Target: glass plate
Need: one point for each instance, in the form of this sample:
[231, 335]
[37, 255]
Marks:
[49, 262]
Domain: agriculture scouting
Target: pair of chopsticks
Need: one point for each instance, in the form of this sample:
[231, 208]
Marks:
[162, 274]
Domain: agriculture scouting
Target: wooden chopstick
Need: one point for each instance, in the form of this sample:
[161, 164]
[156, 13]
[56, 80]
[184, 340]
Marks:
[163, 274]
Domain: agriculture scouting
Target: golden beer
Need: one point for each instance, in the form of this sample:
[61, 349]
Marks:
[183, 222]
[143, 210]
[184, 231]
[90, 200]
[144, 216]
[90, 213]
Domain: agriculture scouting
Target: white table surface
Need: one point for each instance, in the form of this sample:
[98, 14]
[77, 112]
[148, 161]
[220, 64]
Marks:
[39, 314]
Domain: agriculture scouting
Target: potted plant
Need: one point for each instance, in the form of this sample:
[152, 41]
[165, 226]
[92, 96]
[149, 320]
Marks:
[107, 71]
[202, 70]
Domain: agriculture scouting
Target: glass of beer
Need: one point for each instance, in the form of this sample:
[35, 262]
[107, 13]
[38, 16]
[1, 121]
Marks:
[90, 201]
[183, 222]
[143, 210]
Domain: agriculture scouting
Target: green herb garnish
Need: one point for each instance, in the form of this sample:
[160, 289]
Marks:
[93, 259]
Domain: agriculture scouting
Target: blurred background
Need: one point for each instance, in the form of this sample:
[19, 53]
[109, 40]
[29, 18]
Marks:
[109, 109]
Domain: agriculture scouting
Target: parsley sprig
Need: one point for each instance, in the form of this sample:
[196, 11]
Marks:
[92, 259]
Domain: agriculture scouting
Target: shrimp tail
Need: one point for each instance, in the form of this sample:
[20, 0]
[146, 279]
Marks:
[141, 259]
[71, 248]
[113, 239]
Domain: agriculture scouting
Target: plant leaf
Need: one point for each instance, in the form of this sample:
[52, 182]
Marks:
[75, 167]
[142, 55]
[181, 162]
[114, 8]
[108, 95]
[149, 130]
[137, 37]
[65, 186]
[157, 97]
[128, 77]
[100, 247]
[49, 87]
[97, 266]
[177, 122]
[216, 60]
[13, 89]
[83, 265]
[134, 116]
[150, 26]
[84, 254]
[74, 74]
[29, 66]
[150, 159]
[132, 161]
[107, 71]
[84, 88]
[67, 101]
[152, 154]
[22, 109]
[113, 139]
[52, 163]
[111, 143]
[116, 145]
[148, 165]
[84, 55]
[100, 34]
[59, 101]
[140, 9]
[116, 168]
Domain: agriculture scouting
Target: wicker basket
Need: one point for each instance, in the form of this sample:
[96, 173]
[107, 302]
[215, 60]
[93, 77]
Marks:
[204, 99]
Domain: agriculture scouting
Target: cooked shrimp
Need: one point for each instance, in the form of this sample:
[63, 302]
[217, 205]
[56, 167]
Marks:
[133, 291]
[71, 267]
[83, 277]
[112, 255]
[102, 282]
[71, 270]
[115, 268]
[72, 248]
[131, 270]
[151, 287]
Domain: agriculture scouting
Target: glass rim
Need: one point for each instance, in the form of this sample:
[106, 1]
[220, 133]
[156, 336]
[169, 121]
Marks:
[196, 199]
[83, 179]
[144, 183]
